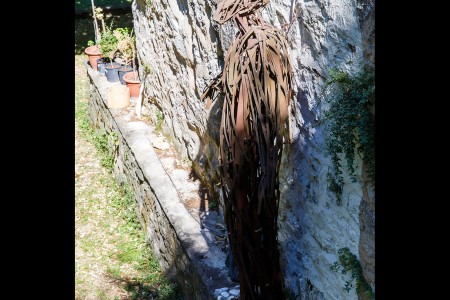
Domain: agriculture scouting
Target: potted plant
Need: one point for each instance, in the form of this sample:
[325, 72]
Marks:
[124, 46]
[93, 52]
[132, 78]
[108, 47]
[133, 83]
[100, 61]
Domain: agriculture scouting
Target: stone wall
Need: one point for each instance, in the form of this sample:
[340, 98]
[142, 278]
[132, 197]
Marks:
[185, 252]
[180, 49]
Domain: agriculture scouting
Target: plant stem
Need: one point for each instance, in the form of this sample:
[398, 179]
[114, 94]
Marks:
[95, 23]
[134, 55]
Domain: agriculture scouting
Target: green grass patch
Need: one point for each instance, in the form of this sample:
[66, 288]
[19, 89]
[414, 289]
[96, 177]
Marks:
[159, 120]
[112, 253]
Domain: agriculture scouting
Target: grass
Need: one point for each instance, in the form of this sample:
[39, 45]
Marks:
[112, 257]
[85, 5]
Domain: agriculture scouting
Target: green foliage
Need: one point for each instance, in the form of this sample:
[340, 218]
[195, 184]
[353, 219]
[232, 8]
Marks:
[118, 42]
[159, 120]
[335, 187]
[121, 33]
[348, 262]
[150, 283]
[90, 43]
[108, 43]
[84, 29]
[125, 43]
[126, 203]
[147, 69]
[98, 138]
[212, 204]
[106, 144]
[82, 119]
[349, 123]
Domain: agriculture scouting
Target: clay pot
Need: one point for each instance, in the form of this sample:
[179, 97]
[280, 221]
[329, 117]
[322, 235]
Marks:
[93, 53]
[133, 83]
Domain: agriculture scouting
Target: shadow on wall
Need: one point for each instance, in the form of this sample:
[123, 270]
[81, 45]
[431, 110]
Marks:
[206, 167]
[207, 160]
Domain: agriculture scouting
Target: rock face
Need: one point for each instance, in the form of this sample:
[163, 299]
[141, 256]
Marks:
[180, 50]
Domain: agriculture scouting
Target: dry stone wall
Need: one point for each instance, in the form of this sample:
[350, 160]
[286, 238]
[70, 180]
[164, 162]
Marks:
[185, 252]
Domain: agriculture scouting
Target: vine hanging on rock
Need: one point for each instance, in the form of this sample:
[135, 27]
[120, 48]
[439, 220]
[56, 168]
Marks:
[350, 121]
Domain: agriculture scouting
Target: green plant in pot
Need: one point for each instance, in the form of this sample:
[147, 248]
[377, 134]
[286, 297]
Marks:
[100, 61]
[108, 47]
[96, 59]
[125, 47]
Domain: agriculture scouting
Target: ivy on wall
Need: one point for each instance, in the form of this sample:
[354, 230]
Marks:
[348, 262]
[349, 123]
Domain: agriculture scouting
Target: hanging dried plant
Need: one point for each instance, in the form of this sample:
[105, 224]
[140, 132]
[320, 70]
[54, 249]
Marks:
[256, 84]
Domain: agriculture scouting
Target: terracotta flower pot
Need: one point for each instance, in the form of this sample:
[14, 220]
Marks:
[93, 53]
[133, 83]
